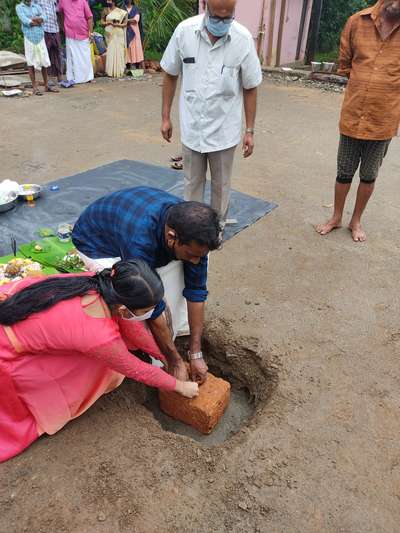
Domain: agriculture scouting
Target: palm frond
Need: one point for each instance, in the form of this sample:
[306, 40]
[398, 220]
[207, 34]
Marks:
[161, 18]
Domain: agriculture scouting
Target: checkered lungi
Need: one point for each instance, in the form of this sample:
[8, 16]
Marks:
[354, 153]
[53, 44]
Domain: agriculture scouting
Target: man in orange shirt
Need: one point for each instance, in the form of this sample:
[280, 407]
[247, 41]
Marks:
[370, 57]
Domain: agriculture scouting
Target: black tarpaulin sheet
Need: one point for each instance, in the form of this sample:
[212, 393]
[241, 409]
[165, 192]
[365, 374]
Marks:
[78, 191]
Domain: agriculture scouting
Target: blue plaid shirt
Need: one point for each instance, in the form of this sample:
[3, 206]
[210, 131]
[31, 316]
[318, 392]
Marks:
[25, 13]
[50, 12]
[131, 223]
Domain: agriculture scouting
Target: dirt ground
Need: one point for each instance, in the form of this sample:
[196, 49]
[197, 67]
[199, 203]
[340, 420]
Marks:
[309, 325]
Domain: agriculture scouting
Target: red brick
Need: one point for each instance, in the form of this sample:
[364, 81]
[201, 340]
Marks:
[204, 412]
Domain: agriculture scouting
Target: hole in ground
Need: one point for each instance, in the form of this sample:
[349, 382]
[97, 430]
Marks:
[239, 411]
[240, 361]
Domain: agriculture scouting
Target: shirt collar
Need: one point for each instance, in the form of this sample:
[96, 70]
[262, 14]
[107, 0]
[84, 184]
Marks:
[374, 10]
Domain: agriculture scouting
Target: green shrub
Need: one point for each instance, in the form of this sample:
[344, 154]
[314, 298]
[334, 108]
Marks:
[334, 16]
[160, 18]
[11, 37]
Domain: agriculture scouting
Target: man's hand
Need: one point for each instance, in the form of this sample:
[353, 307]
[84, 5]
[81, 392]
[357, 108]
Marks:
[198, 370]
[166, 129]
[178, 370]
[248, 145]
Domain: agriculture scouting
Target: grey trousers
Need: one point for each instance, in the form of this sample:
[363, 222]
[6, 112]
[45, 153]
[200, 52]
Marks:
[195, 168]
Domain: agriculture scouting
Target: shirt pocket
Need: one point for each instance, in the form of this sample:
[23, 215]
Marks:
[189, 75]
[230, 81]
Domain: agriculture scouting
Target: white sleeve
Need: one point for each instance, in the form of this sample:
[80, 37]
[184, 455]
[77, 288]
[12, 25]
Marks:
[171, 61]
[251, 68]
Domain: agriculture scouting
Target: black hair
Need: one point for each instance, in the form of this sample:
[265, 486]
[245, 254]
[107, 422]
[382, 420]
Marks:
[194, 221]
[131, 283]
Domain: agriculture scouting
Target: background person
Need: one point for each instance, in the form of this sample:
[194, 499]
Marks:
[37, 58]
[52, 37]
[135, 55]
[78, 28]
[114, 21]
[65, 341]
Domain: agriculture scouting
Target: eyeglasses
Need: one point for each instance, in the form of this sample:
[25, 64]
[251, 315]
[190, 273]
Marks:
[216, 19]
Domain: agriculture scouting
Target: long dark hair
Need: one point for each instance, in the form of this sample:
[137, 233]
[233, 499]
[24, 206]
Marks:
[130, 283]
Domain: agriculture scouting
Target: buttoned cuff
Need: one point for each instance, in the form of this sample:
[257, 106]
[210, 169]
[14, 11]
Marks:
[195, 295]
[159, 310]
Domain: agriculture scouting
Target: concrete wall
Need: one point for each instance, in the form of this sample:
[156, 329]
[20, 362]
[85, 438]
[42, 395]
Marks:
[280, 20]
[291, 32]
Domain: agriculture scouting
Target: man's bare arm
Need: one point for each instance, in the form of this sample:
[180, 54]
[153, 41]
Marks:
[250, 110]
[163, 337]
[198, 367]
[168, 94]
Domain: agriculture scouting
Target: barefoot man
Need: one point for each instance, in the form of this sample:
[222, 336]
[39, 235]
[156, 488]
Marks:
[369, 56]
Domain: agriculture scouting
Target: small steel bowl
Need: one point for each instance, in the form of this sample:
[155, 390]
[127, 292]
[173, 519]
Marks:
[10, 204]
[29, 191]
[328, 67]
[316, 66]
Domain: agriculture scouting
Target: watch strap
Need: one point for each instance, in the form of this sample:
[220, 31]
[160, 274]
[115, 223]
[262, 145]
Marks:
[194, 356]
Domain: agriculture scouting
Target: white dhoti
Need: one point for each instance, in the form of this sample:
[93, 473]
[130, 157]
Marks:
[79, 61]
[174, 283]
[36, 55]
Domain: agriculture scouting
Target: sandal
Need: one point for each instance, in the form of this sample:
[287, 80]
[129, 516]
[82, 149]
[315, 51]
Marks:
[52, 89]
[176, 159]
[177, 166]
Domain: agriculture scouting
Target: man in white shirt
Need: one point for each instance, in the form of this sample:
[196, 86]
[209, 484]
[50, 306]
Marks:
[220, 72]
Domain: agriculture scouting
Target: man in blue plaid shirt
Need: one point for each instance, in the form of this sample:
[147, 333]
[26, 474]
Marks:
[158, 227]
[32, 20]
[52, 37]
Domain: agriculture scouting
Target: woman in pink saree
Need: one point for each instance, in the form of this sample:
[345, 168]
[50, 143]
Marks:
[65, 341]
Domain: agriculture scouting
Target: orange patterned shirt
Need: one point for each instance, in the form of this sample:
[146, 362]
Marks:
[371, 107]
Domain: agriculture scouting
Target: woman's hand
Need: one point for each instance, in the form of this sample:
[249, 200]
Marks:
[188, 389]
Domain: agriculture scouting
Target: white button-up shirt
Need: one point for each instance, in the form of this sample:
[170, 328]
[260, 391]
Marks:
[213, 79]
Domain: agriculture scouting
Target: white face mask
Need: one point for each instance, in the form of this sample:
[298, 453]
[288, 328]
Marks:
[136, 318]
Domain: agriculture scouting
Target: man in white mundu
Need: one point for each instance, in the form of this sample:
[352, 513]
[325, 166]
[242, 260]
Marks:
[78, 27]
[171, 235]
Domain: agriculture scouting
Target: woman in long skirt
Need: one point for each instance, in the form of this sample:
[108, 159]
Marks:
[114, 21]
[135, 55]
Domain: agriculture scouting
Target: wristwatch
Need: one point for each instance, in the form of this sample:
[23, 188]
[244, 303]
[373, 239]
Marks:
[194, 356]
[250, 130]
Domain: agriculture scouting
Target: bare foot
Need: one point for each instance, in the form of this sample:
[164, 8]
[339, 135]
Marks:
[324, 229]
[357, 232]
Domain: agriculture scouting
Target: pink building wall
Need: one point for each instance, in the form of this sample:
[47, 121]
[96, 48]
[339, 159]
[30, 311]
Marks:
[249, 13]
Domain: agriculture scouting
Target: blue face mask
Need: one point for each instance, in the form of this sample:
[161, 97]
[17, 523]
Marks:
[218, 27]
